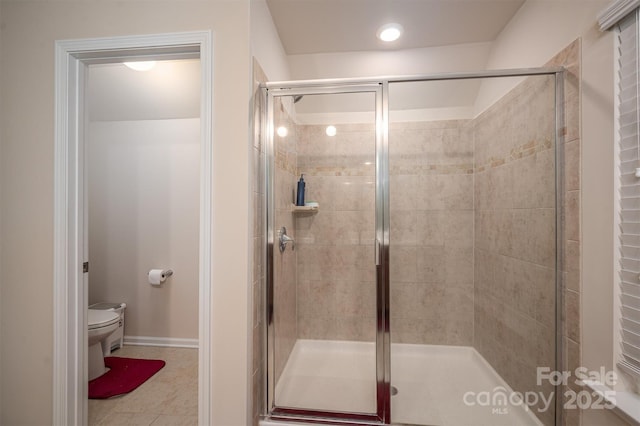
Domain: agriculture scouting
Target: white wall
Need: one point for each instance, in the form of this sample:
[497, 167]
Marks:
[266, 46]
[171, 89]
[461, 57]
[144, 195]
[438, 100]
[539, 30]
[28, 30]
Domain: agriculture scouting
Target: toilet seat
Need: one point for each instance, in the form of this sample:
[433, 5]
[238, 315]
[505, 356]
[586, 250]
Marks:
[100, 318]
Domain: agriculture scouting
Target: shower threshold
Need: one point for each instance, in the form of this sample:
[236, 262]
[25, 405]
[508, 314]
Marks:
[437, 385]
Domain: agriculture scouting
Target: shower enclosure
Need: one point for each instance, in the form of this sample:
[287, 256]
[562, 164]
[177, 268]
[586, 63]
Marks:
[419, 285]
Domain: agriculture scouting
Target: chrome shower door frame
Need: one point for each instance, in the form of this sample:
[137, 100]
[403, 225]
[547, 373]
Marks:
[381, 244]
[380, 85]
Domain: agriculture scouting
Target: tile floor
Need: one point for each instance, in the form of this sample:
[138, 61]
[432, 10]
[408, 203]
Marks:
[170, 397]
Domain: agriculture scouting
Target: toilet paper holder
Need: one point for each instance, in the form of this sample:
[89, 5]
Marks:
[158, 276]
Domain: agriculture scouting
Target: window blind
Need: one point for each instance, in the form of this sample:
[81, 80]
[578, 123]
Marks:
[629, 208]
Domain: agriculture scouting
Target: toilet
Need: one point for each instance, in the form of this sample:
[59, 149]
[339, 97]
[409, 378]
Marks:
[101, 324]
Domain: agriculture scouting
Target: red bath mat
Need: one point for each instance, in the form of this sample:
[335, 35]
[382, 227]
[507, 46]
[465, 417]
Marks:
[125, 375]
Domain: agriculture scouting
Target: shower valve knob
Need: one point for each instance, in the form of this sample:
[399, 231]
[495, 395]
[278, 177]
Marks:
[283, 239]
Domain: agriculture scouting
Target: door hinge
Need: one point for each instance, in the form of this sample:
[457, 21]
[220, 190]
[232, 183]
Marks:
[85, 267]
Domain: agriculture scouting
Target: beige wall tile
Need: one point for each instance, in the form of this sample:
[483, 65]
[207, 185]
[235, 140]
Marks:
[572, 165]
[403, 264]
[404, 228]
[431, 264]
[572, 314]
[571, 102]
[356, 328]
[458, 265]
[402, 192]
[571, 220]
[325, 190]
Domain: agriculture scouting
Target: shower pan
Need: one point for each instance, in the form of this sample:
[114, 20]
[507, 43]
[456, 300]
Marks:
[419, 284]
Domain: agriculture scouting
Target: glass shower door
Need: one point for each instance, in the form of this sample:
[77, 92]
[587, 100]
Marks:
[323, 317]
[473, 251]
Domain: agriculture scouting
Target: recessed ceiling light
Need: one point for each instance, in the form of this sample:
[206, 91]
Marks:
[331, 131]
[141, 65]
[389, 32]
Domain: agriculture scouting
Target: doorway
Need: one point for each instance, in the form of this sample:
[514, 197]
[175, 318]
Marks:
[142, 178]
[71, 295]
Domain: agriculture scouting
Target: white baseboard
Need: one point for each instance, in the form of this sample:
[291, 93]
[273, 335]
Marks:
[171, 342]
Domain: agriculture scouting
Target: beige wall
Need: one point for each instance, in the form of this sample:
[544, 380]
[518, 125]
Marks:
[144, 203]
[29, 30]
[597, 169]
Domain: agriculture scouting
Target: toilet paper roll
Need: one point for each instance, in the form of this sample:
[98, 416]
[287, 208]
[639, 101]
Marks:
[156, 276]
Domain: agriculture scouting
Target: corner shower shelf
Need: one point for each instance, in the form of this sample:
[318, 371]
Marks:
[305, 209]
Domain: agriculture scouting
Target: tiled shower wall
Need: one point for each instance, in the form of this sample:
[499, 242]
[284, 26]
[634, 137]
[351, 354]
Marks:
[570, 59]
[515, 221]
[431, 232]
[336, 270]
[431, 166]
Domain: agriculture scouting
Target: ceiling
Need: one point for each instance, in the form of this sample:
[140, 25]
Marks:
[171, 90]
[320, 26]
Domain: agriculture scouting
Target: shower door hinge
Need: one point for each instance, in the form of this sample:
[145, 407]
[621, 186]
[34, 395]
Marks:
[85, 267]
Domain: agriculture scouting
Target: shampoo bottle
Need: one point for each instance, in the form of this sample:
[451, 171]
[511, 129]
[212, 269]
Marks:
[300, 193]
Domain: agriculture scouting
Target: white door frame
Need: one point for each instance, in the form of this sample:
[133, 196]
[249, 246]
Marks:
[70, 293]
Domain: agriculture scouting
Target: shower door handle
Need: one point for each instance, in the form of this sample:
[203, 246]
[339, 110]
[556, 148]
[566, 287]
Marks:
[378, 252]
